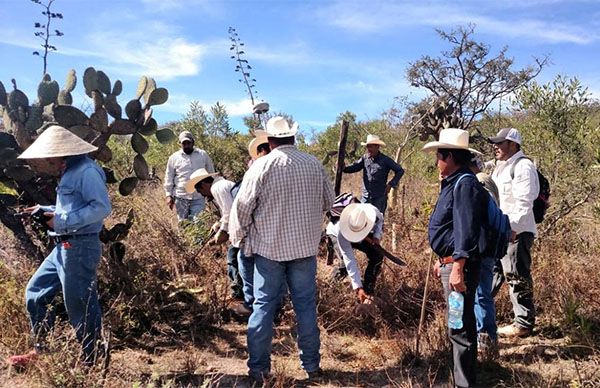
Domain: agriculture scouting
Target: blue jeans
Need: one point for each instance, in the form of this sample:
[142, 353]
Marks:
[187, 209]
[485, 309]
[269, 279]
[246, 271]
[70, 267]
[233, 273]
[379, 202]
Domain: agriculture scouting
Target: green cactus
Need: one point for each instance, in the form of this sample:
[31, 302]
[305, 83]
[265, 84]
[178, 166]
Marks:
[112, 107]
[47, 92]
[103, 82]
[104, 154]
[68, 116]
[64, 97]
[98, 99]
[165, 135]
[16, 99]
[127, 185]
[133, 109]
[71, 81]
[83, 131]
[90, 80]
[35, 119]
[99, 120]
[122, 127]
[139, 144]
[117, 88]
[3, 96]
[149, 129]
[141, 88]
[140, 167]
[150, 86]
[158, 96]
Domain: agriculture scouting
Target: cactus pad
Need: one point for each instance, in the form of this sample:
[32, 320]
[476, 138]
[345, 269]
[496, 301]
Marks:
[122, 127]
[139, 144]
[127, 185]
[47, 92]
[71, 81]
[158, 96]
[165, 135]
[68, 116]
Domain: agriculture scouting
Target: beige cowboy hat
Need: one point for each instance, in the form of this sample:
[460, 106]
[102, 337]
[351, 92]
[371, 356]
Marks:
[279, 127]
[254, 143]
[372, 139]
[453, 138]
[55, 142]
[196, 177]
[357, 220]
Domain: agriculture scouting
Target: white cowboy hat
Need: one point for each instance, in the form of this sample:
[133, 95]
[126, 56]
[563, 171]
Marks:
[196, 177]
[279, 127]
[357, 220]
[453, 138]
[254, 143]
[372, 139]
[55, 142]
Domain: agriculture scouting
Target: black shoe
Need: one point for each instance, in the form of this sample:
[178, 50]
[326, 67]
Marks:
[315, 375]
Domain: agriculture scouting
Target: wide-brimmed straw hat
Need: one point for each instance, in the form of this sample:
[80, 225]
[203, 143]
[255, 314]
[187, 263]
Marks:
[55, 142]
[357, 220]
[254, 143]
[196, 177]
[372, 139]
[452, 138]
[279, 127]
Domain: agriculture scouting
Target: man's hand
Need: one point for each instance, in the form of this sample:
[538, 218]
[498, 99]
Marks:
[170, 202]
[362, 295]
[457, 276]
[50, 221]
[388, 188]
[436, 269]
[220, 238]
[215, 227]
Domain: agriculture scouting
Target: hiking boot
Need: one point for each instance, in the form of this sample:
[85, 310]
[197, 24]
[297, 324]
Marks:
[241, 309]
[315, 375]
[22, 360]
[512, 331]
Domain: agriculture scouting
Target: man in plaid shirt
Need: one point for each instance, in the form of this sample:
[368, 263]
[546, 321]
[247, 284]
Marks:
[279, 216]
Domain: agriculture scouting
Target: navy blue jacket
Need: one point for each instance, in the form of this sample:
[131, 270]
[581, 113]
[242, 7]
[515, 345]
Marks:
[375, 174]
[456, 224]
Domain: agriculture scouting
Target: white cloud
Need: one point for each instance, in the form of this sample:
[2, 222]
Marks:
[383, 16]
[180, 103]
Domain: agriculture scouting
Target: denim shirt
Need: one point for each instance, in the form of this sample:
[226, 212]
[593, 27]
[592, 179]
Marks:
[375, 174]
[455, 226]
[82, 200]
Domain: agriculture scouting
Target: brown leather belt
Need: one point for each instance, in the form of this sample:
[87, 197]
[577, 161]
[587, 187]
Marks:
[446, 260]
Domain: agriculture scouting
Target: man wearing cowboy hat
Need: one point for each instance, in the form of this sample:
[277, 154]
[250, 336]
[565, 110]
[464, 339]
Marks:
[455, 235]
[258, 146]
[75, 221]
[350, 223]
[180, 167]
[279, 210]
[517, 177]
[213, 187]
[376, 167]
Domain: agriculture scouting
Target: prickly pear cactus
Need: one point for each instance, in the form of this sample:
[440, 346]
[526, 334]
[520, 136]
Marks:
[23, 122]
[440, 116]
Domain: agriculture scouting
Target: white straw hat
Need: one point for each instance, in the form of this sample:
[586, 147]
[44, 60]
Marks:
[196, 177]
[55, 142]
[279, 127]
[254, 143]
[372, 139]
[357, 220]
[452, 138]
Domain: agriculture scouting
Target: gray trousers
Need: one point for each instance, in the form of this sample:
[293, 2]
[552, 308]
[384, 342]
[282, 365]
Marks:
[515, 268]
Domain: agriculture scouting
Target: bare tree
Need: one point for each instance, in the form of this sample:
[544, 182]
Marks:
[468, 76]
[44, 30]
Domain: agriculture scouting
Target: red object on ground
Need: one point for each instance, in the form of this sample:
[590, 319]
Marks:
[22, 360]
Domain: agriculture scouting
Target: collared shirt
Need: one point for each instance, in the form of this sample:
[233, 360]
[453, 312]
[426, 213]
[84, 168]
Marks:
[517, 194]
[375, 174]
[82, 201]
[179, 169]
[280, 205]
[346, 250]
[221, 192]
[455, 226]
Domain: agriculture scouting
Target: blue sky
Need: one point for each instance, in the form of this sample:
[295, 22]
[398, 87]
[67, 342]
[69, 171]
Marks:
[312, 59]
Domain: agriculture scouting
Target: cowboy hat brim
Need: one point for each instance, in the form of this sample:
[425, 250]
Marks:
[253, 146]
[376, 142]
[434, 145]
[357, 235]
[189, 185]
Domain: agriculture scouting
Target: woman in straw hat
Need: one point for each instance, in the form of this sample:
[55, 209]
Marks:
[455, 236]
[74, 223]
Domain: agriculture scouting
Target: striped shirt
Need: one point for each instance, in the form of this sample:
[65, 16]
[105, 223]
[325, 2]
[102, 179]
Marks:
[278, 211]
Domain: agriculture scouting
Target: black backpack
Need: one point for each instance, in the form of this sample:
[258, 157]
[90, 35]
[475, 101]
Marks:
[542, 202]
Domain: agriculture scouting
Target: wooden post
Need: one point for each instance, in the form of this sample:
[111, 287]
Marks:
[340, 157]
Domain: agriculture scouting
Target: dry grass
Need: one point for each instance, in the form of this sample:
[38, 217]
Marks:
[167, 308]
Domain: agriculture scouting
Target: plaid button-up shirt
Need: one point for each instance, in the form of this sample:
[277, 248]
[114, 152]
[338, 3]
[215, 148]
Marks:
[278, 211]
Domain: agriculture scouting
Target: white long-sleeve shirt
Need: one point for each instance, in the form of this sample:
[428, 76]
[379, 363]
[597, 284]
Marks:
[517, 194]
[221, 192]
[346, 250]
[179, 169]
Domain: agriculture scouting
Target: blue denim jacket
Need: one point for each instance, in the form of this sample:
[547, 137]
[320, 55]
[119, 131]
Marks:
[455, 226]
[82, 200]
[375, 174]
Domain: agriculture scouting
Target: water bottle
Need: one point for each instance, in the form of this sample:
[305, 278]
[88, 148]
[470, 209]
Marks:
[456, 304]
